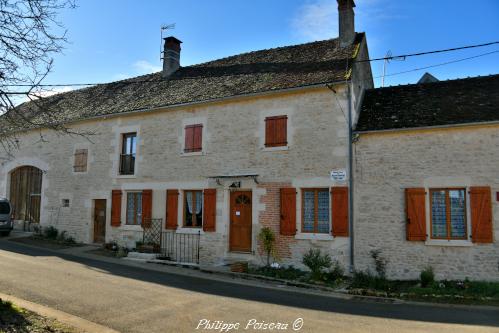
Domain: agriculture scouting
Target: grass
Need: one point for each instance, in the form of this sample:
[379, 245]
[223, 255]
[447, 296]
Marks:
[295, 274]
[15, 319]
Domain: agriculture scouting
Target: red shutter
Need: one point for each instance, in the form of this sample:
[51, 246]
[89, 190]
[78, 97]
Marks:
[281, 131]
[198, 138]
[288, 211]
[269, 132]
[210, 210]
[481, 214]
[415, 213]
[171, 209]
[189, 139]
[116, 208]
[146, 208]
[339, 207]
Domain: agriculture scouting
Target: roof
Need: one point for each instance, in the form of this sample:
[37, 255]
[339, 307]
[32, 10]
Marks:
[442, 103]
[247, 73]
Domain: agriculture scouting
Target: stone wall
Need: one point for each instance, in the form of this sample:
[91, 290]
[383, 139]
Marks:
[387, 163]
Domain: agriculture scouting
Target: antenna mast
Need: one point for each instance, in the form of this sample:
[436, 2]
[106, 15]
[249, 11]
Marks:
[163, 28]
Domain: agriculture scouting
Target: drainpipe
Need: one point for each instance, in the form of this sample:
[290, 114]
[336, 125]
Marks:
[350, 178]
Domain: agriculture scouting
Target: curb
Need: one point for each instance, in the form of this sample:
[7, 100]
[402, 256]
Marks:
[66, 318]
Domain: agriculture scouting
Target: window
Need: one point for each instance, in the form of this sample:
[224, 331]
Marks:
[276, 131]
[315, 208]
[448, 213]
[193, 209]
[65, 202]
[133, 208]
[80, 160]
[128, 150]
[193, 138]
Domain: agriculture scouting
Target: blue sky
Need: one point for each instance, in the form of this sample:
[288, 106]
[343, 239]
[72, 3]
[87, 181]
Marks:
[114, 39]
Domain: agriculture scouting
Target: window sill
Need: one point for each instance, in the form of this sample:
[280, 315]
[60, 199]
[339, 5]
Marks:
[443, 242]
[278, 148]
[194, 153]
[190, 231]
[131, 227]
[320, 237]
[126, 176]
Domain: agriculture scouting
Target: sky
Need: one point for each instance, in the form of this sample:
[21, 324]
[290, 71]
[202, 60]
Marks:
[115, 39]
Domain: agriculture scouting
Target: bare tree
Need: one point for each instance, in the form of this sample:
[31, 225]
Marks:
[30, 35]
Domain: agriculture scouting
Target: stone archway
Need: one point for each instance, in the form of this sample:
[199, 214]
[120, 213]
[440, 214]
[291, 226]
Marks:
[25, 193]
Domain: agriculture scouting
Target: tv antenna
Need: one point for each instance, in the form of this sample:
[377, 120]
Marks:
[164, 27]
[388, 58]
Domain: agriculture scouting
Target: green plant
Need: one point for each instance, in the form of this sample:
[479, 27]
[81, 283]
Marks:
[379, 263]
[317, 262]
[267, 237]
[335, 272]
[51, 232]
[427, 277]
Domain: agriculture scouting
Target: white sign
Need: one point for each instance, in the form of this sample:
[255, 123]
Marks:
[339, 175]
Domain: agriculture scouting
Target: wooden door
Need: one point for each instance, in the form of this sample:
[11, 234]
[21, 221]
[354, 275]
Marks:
[99, 220]
[240, 221]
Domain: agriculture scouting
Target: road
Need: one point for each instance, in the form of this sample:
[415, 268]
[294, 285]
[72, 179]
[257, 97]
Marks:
[130, 299]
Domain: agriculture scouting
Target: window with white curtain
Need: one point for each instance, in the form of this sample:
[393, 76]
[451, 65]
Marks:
[193, 208]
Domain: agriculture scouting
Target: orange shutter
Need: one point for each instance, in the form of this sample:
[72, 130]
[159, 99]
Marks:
[189, 138]
[209, 210]
[269, 132]
[288, 211]
[339, 207]
[415, 213]
[481, 214]
[171, 209]
[116, 208]
[198, 138]
[146, 208]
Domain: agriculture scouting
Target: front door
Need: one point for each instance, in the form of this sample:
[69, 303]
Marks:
[240, 221]
[99, 220]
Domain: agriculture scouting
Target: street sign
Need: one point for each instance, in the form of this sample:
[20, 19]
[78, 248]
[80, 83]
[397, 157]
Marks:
[338, 175]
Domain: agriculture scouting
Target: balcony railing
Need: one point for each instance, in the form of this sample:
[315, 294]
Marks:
[127, 164]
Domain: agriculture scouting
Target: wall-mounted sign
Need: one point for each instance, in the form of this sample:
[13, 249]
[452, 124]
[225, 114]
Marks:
[339, 175]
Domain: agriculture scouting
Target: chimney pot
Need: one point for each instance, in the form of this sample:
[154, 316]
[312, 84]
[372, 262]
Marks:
[171, 56]
[346, 18]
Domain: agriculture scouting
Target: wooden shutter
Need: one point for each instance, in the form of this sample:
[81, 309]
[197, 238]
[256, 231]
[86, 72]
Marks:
[116, 208]
[481, 214]
[198, 138]
[288, 211]
[209, 210]
[415, 213]
[189, 138]
[146, 208]
[276, 131]
[80, 160]
[339, 211]
[171, 209]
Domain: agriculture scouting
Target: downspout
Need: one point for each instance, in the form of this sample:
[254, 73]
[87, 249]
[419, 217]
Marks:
[350, 178]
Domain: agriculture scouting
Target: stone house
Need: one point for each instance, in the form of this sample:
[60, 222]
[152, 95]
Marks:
[427, 179]
[211, 152]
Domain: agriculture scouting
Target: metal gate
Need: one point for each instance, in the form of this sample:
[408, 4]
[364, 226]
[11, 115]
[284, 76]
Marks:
[179, 247]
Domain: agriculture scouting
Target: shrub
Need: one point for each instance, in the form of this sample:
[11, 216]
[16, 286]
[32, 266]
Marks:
[51, 232]
[367, 280]
[379, 263]
[317, 262]
[336, 272]
[267, 237]
[427, 277]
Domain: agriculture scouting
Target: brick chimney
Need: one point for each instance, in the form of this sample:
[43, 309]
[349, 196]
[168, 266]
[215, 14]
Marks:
[346, 22]
[171, 56]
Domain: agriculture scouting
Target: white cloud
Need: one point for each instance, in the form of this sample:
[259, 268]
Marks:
[318, 19]
[145, 67]
[53, 91]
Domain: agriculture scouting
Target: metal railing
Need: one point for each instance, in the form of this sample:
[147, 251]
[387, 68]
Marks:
[127, 164]
[183, 248]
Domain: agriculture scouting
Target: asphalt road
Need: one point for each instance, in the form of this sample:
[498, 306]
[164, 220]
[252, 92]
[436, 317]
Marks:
[130, 299]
